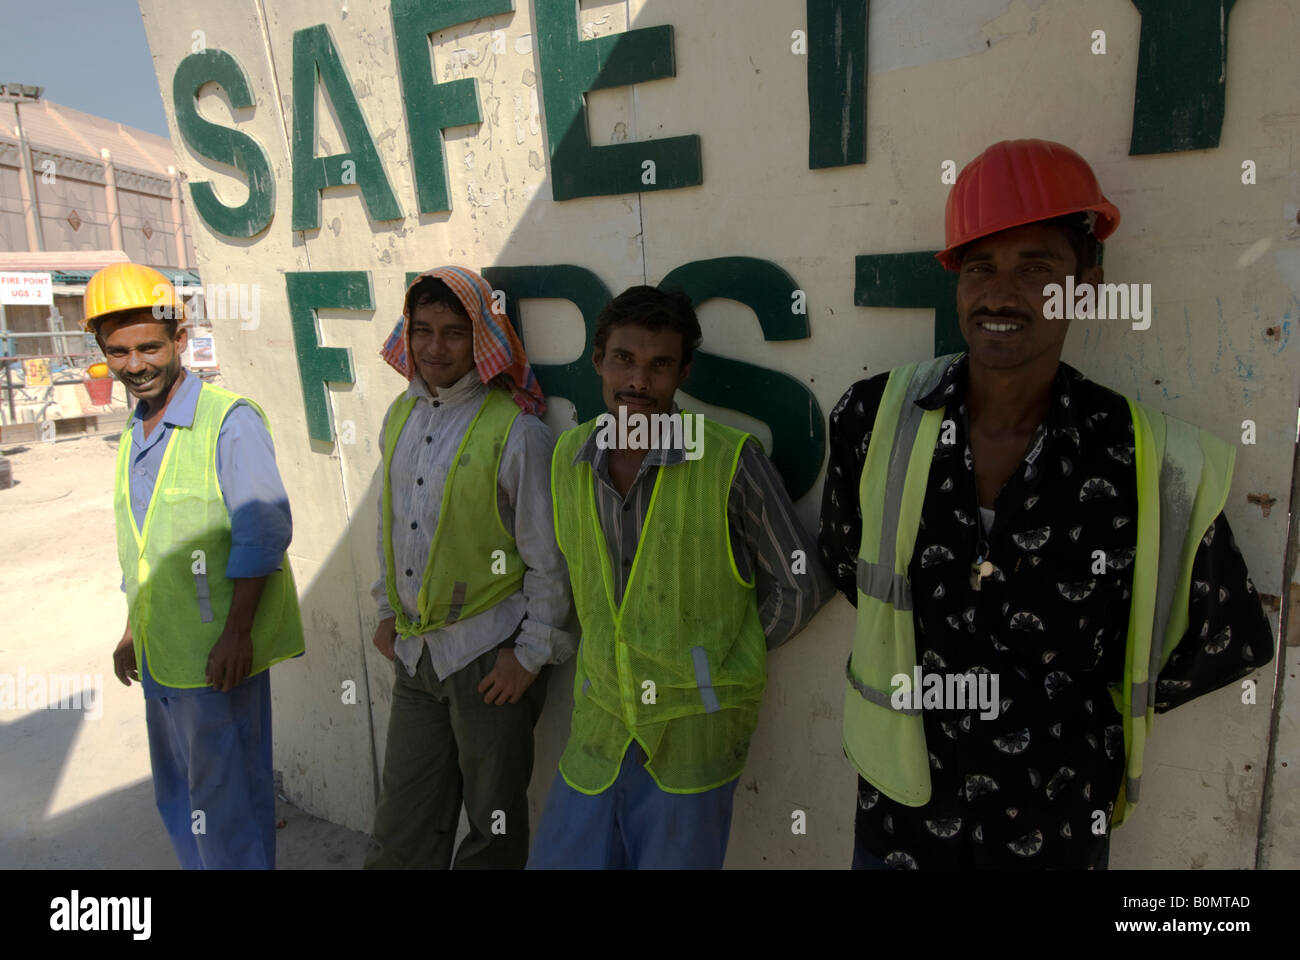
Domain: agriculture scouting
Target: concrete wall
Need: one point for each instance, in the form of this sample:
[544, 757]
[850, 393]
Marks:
[943, 81]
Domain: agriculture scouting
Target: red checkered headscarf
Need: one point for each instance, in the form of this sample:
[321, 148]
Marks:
[498, 353]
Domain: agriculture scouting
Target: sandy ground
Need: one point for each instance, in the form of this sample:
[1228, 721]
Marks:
[76, 789]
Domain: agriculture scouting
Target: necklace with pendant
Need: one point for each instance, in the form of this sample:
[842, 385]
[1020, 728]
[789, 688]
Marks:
[981, 567]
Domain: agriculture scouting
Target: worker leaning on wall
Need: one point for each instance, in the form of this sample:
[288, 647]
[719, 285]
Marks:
[203, 523]
[679, 554]
[997, 514]
[472, 595]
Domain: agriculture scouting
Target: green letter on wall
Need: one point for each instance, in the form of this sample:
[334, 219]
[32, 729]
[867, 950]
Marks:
[313, 50]
[570, 68]
[432, 107]
[1181, 75]
[576, 380]
[837, 83]
[309, 291]
[914, 281]
[788, 407]
[223, 145]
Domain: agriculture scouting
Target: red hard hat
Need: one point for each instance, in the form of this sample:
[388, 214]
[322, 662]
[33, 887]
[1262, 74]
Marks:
[1017, 182]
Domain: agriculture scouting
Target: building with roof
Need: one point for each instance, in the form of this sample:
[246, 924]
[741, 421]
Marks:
[77, 192]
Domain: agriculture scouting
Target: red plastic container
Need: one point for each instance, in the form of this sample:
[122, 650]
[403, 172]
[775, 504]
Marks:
[101, 391]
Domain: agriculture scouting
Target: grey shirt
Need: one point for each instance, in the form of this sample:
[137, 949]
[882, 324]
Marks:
[761, 524]
[421, 461]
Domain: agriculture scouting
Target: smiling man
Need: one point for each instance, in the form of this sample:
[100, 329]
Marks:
[202, 525]
[685, 572]
[472, 595]
[996, 512]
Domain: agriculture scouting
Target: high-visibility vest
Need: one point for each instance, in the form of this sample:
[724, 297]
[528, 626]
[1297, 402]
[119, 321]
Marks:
[177, 592]
[680, 663]
[1183, 474]
[473, 562]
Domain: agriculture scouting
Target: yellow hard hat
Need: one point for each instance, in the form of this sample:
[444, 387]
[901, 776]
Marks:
[129, 286]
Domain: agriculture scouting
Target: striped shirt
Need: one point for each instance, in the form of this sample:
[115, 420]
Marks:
[761, 524]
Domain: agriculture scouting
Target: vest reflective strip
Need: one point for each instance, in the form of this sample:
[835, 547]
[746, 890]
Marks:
[878, 697]
[458, 592]
[881, 583]
[205, 598]
[1138, 698]
[708, 696]
[878, 580]
[586, 684]
[1131, 788]
[909, 422]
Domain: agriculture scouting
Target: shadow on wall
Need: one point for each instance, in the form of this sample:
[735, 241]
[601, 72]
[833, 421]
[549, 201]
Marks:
[320, 756]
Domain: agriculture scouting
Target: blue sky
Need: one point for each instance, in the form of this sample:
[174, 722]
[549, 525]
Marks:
[90, 55]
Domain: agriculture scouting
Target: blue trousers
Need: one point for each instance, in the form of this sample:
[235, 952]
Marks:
[211, 754]
[633, 824]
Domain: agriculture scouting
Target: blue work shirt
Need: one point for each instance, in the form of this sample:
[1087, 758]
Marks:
[261, 525]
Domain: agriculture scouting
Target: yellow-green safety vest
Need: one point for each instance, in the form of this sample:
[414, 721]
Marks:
[177, 592]
[1183, 474]
[680, 664]
[473, 561]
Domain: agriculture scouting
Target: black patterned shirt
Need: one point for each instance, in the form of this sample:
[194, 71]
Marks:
[1034, 782]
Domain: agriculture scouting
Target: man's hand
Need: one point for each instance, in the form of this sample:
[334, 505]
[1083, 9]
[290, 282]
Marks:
[231, 659]
[386, 636]
[124, 664]
[507, 681]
